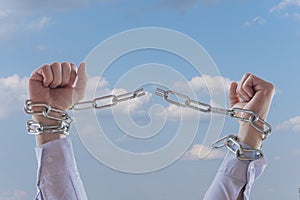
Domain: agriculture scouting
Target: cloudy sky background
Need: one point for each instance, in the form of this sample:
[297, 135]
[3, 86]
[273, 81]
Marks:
[262, 37]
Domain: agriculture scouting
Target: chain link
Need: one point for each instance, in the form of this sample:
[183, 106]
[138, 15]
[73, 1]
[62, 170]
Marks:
[46, 111]
[99, 103]
[231, 143]
[35, 128]
[238, 113]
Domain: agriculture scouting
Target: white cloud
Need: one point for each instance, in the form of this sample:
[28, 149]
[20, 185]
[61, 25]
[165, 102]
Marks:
[194, 153]
[289, 7]
[292, 125]
[14, 93]
[14, 195]
[247, 23]
[256, 20]
[40, 23]
[284, 4]
[205, 83]
[259, 20]
[23, 15]
[41, 47]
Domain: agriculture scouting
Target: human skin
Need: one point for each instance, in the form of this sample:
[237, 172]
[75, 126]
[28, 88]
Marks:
[59, 85]
[255, 94]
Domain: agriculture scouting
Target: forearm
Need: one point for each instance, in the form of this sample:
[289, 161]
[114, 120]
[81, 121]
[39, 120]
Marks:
[58, 176]
[248, 135]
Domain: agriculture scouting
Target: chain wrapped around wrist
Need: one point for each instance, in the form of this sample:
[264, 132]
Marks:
[62, 120]
[232, 144]
[62, 124]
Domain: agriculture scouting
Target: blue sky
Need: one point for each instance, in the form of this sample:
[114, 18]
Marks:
[262, 37]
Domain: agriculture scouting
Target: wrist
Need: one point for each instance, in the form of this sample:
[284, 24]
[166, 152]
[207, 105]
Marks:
[250, 136]
[48, 124]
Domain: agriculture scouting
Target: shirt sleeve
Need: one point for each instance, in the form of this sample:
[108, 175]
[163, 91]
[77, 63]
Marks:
[57, 175]
[234, 175]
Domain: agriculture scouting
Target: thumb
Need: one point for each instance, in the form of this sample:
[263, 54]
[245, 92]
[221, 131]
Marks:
[81, 81]
[233, 96]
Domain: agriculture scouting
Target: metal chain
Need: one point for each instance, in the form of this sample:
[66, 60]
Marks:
[97, 103]
[256, 122]
[231, 143]
[46, 111]
[64, 119]
[35, 128]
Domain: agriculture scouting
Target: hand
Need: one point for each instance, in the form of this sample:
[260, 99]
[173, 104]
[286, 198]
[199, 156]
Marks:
[255, 94]
[54, 85]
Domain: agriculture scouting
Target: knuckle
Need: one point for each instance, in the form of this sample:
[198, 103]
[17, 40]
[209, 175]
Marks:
[45, 66]
[47, 81]
[55, 82]
[248, 74]
[65, 65]
[55, 64]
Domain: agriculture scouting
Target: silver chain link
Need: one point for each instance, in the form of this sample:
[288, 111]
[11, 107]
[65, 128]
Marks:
[35, 128]
[256, 122]
[231, 143]
[97, 103]
[46, 111]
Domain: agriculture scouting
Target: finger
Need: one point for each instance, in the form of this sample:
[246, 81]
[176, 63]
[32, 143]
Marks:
[248, 86]
[57, 75]
[43, 74]
[240, 89]
[73, 75]
[233, 96]
[82, 81]
[66, 73]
